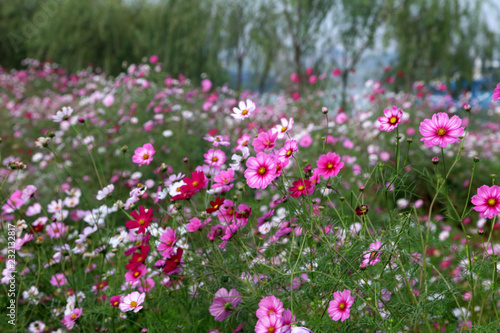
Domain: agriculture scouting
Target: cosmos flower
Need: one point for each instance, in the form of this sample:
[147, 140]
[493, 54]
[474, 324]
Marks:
[441, 130]
[261, 170]
[224, 303]
[496, 93]
[132, 301]
[144, 154]
[329, 165]
[340, 306]
[244, 110]
[391, 119]
[487, 201]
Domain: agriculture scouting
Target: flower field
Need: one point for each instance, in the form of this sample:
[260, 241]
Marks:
[149, 203]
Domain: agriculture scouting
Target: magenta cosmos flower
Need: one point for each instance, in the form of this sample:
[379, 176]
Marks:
[261, 170]
[487, 201]
[391, 119]
[215, 158]
[265, 140]
[224, 303]
[132, 301]
[329, 165]
[144, 154]
[496, 93]
[268, 306]
[372, 256]
[273, 323]
[441, 130]
[340, 306]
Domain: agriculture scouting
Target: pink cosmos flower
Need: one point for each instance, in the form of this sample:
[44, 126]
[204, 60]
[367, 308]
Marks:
[372, 256]
[329, 165]
[268, 306]
[243, 141]
[496, 93]
[336, 72]
[167, 239]
[224, 178]
[265, 140]
[305, 140]
[69, 320]
[266, 324]
[243, 110]
[287, 151]
[391, 119]
[224, 303]
[195, 224]
[340, 306]
[441, 130]
[28, 192]
[261, 170]
[464, 326]
[487, 201]
[114, 301]
[147, 285]
[215, 158]
[132, 301]
[56, 230]
[301, 187]
[144, 154]
[136, 274]
[58, 280]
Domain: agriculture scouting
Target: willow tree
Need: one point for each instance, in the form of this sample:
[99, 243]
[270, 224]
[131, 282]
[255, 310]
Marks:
[439, 38]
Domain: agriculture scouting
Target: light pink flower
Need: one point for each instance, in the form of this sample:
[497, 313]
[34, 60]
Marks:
[58, 280]
[144, 154]
[261, 170]
[329, 165]
[243, 110]
[285, 126]
[28, 192]
[224, 303]
[215, 158]
[56, 230]
[265, 140]
[496, 93]
[268, 306]
[69, 320]
[224, 178]
[391, 119]
[487, 201]
[340, 306]
[372, 256]
[136, 274]
[132, 301]
[167, 242]
[195, 224]
[441, 130]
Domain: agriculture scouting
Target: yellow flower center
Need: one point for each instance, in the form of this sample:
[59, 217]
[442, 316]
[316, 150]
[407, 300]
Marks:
[145, 156]
[141, 221]
[270, 330]
[393, 120]
[133, 304]
[244, 143]
[216, 206]
[139, 259]
[244, 112]
[195, 183]
[115, 303]
[262, 170]
[56, 230]
[342, 306]
[329, 166]
[441, 132]
[214, 159]
[300, 188]
[288, 153]
[137, 273]
[491, 202]
[283, 129]
[73, 316]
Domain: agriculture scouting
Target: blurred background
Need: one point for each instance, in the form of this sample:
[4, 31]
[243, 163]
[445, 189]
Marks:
[259, 44]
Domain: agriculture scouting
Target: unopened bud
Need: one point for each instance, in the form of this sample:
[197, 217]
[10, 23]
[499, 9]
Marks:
[409, 140]
[480, 231]
[124, 149]
[467, 107]
[81, 120]
[435, 160]
[185, 160]
[324, 110]
[163, 167]
[476, 159]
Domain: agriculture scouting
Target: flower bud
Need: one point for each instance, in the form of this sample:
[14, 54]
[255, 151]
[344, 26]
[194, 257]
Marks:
[124, 149]
[409, 140]
[467, 107]
[185, 160]
[480, 231]
[435, 160]
[324, 110]
[476, 159]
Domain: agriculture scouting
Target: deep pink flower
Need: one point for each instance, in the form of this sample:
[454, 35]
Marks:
[336, 72]
[372, 256]
[136, 274]
[496, 93]
[340, 306]
[265, 140]
[243, 141]
[224, 303]
[329, 165]
[288, 150]
[58, 280]
[142, 219]
[261, 170]
[195, 224]
[114, 301]
[268, 306]
[391, 119]
[144, 154]
[441, 130]
[215, 158]
[167, 242]
[487, 201]
[266, 324]
[301, 187]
